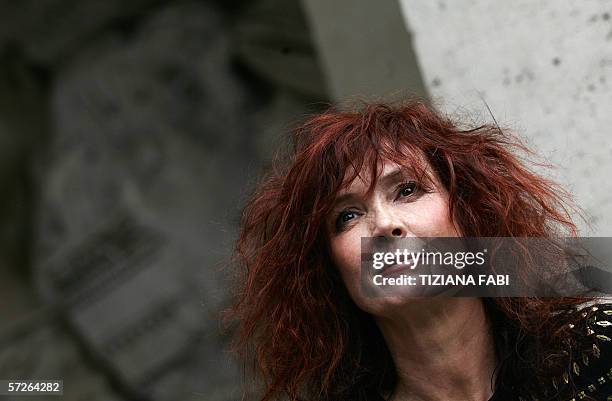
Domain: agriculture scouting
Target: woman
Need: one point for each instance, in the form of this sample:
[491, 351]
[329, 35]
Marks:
[392, 172]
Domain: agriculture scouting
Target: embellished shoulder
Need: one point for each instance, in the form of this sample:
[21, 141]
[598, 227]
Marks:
[589, 372]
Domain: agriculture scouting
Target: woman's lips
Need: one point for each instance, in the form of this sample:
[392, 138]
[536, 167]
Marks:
[397, 267]
[392, 269]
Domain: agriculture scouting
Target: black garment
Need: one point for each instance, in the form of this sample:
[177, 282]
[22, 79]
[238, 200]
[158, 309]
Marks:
[589, 370]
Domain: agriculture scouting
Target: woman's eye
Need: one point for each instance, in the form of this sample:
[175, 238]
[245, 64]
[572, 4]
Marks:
[407, 189]
[344, 217]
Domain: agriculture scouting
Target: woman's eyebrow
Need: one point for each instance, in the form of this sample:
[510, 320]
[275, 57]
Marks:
[345, 197]
[392, 177]
[385, 181]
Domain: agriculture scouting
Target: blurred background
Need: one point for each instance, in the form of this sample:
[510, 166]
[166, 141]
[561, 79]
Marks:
[131, 133]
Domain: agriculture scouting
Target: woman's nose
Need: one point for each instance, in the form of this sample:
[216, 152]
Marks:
[388, 225]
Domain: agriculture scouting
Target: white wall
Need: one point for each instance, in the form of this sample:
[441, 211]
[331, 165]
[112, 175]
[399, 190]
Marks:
[543, 67]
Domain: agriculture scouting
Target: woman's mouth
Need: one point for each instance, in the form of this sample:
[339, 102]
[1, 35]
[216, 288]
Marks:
[397, 267]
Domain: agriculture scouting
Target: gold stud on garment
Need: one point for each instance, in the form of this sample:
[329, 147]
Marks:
[581, 395]
[591, 388]
[596, 351]
[608, 312]
[601, 380]
[594, 308]
[603, 338]
[571, 325]
[603, 323]
[576, 369]
[589, 331]
[565, 377]
[585, 359]
[554, 383]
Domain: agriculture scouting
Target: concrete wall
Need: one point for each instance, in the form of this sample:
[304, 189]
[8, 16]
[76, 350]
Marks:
[543, 67]
[365, 48]
[130, 136]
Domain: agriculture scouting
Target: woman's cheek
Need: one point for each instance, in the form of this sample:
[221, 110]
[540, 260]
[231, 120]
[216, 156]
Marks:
[433, 219]
[347, 255]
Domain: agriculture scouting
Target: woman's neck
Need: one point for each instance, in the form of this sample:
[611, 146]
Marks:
[442, 349]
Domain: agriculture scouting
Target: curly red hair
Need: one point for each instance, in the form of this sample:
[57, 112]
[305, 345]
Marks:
[294, 318]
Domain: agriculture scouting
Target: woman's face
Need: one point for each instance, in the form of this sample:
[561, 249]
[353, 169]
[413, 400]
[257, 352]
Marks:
[398, 207]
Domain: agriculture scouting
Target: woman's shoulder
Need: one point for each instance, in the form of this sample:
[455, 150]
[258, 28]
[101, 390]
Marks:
[589, 369]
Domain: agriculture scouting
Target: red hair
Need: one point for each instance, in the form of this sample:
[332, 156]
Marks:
[294, 318]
